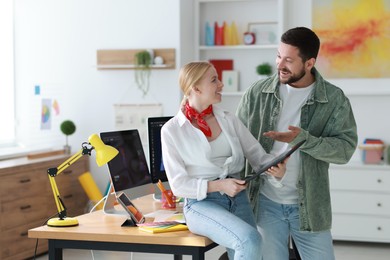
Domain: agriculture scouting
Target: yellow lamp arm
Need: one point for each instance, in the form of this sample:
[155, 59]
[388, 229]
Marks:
[86, 149]
[57, 199]
[53, 172]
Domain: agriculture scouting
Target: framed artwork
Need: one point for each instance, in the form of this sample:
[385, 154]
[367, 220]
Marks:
[230, 80]
[265, 32]
[355, 39]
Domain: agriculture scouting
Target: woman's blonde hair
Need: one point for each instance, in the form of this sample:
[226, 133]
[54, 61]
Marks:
[190, 75]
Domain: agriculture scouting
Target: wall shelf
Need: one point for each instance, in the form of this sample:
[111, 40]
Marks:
[238, 47]
[132, 66]
[124, 59]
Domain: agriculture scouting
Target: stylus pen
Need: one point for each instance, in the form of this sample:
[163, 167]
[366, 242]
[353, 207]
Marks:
[165, 193]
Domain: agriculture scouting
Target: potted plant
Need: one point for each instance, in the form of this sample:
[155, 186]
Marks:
[143, 60]
[67, 128]
[264, 70]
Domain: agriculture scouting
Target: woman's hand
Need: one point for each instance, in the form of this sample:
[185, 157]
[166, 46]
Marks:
[229, 186]
[279, 170]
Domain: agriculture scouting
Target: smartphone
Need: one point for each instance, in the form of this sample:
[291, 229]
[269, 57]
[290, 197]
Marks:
[134, 213]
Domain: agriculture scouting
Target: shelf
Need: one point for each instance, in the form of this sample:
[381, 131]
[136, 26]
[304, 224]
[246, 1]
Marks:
[245, 57]
[238, 47]
[233, 94]
[132, 66]
[124, 58]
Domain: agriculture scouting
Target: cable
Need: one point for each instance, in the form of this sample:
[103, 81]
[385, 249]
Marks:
[36, 243]
[97, 204]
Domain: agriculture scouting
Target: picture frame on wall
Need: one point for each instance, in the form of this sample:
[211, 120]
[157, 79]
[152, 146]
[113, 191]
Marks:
[230, 80]
[265, 32]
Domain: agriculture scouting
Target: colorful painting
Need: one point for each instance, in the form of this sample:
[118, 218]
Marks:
[355, 38]
[46, 114]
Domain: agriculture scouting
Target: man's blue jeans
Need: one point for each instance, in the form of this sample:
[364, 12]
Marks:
[278, 221]
[227, 221]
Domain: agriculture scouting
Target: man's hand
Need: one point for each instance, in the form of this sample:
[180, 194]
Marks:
[284, 136]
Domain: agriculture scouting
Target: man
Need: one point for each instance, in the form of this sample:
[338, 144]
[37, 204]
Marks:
[293, 105]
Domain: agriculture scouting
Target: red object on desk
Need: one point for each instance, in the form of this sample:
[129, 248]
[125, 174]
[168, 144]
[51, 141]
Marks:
[165, 195]
[168, 200]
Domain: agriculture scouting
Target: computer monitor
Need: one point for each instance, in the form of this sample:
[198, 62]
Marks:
[129, 172]
[157, 170]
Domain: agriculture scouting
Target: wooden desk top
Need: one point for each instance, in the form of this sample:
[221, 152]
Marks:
[98, 226]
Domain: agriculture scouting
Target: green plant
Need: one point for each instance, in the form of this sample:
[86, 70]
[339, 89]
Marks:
[143, 60]
[67, 128]
[264, 69]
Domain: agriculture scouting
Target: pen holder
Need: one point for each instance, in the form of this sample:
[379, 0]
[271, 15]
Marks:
[164, 201]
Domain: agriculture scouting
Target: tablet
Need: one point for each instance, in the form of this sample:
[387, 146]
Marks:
[274, 162]
[134, 213]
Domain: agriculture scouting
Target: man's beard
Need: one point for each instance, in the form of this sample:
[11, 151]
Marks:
[293, 78]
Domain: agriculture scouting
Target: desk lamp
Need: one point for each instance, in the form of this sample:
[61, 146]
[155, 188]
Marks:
[104, 154]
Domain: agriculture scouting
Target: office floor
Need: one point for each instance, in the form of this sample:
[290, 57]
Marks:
[343, 251]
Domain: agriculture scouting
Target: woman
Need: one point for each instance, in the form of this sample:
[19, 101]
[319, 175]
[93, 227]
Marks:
[203, 149]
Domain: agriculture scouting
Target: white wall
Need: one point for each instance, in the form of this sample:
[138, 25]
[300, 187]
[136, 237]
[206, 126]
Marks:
[56, 43]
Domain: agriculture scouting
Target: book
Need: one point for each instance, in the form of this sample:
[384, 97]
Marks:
[161, 227]
[221, 65]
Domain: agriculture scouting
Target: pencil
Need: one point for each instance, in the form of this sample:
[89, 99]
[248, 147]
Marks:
[165, 193]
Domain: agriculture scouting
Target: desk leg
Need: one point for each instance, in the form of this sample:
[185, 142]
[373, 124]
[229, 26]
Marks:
[198, 255]
[54, 252]
[194, 257]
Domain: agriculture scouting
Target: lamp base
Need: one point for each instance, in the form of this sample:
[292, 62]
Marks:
[66, 222]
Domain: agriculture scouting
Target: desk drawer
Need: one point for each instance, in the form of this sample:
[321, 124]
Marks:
[21, 211]
[24, 184]
[361, 203]
[359, 180]
[361, 228]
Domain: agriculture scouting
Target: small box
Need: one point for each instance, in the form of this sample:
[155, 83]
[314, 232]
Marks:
[372, 151]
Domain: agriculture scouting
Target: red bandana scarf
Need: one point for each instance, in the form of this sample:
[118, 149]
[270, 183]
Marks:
[192, 114]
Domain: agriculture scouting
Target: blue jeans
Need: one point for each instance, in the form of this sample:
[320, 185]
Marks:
[278, 221]
[227, 221]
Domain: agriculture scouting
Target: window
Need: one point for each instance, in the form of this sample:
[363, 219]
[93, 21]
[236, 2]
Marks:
[7, 94]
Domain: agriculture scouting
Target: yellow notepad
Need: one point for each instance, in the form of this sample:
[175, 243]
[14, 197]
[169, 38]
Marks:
[162, 229]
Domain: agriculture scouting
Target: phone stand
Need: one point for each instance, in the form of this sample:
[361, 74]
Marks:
[128, 223]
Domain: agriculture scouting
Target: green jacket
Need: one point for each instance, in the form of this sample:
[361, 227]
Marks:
[329, 128]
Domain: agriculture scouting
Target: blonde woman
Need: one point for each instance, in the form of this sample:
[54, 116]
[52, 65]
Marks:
[204, 150]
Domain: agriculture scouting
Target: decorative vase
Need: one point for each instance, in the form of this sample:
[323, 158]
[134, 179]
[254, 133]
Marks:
[259, 77]
[67, 149]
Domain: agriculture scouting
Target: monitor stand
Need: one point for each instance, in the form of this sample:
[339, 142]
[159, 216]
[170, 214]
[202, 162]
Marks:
[109, 204]
[157, 192]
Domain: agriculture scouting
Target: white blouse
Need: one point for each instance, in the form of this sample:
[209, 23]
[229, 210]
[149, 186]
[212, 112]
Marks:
[187, 153]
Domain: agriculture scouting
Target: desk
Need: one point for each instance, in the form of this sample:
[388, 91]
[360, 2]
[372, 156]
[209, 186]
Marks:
[99, 231]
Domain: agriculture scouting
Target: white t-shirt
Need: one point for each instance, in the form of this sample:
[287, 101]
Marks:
[292, 101]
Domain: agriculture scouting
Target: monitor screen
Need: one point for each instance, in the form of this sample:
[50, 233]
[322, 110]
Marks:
[157, 170]
[129, 168]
